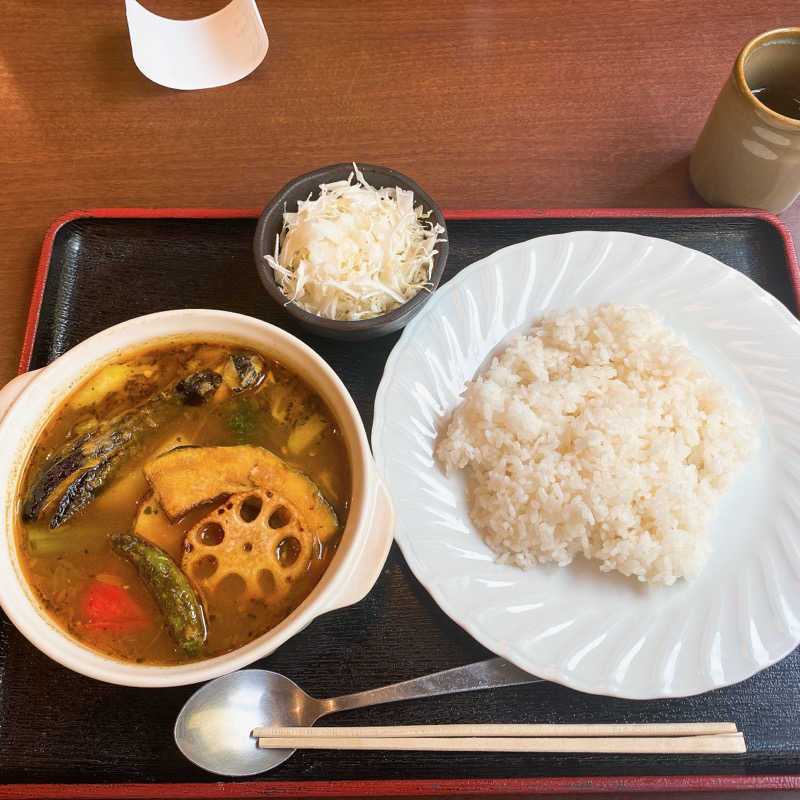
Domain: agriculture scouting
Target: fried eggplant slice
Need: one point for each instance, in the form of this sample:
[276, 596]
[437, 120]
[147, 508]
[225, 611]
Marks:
[96, 455]
[185, 477]
[249, 370]
[83, 489]
[50, 478]
[90, 449]
[243, 372]
[174, 595]
[195, 388]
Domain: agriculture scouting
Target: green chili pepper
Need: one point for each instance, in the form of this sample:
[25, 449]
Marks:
[182, 610]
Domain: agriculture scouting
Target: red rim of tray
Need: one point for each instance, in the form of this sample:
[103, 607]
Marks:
[464, 788]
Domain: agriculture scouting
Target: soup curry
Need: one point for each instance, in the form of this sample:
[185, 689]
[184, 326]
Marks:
[182, 502]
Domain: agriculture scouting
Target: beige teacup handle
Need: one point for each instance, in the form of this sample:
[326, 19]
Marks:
[13, 389]
[373, 556]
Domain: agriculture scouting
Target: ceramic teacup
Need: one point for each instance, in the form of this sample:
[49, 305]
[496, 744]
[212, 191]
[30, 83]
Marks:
[749, 151]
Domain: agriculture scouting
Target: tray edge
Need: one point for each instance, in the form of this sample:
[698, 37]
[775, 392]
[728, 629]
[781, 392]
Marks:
[473, 787]
[404, 788]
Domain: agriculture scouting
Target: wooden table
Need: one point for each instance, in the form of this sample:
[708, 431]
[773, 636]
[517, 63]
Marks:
[513, 104]
[486, 104]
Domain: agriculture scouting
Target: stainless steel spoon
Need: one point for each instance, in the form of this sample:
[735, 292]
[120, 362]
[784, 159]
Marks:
[213, 727]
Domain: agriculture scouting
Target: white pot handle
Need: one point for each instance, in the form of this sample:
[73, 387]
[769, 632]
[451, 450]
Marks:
[13, 389]
[373, 555]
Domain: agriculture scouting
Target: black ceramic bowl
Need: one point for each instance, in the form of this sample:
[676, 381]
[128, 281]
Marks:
[270, 225]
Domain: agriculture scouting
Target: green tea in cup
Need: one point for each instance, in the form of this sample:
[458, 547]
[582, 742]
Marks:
[749, 151]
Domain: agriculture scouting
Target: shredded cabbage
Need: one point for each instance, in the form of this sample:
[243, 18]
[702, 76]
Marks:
[355, 252]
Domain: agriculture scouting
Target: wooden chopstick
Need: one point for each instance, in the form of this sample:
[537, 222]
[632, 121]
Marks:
[493, 730]
[716, 743]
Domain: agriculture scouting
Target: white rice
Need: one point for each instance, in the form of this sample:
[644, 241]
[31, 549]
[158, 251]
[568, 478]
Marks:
[598, 432]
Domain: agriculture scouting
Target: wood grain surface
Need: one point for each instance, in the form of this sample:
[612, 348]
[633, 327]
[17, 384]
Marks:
[513, 104]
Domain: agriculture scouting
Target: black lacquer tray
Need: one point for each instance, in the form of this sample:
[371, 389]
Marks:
[104, 266]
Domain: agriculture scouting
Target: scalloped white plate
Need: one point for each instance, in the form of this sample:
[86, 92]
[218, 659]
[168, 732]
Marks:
[592, 631]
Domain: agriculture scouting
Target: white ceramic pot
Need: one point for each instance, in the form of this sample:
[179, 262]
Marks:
[28, 401]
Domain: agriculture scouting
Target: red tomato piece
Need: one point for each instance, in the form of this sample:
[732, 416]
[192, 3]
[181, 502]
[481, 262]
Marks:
[107, 607]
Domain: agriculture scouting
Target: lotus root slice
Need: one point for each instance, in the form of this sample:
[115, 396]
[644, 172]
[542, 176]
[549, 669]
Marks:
[257, 535]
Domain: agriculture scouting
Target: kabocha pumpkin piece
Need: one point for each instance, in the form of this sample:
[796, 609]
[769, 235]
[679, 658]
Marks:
[258, 535]
[188, 476]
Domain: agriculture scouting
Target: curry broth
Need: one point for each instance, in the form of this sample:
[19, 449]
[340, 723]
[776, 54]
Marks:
[64, 565]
